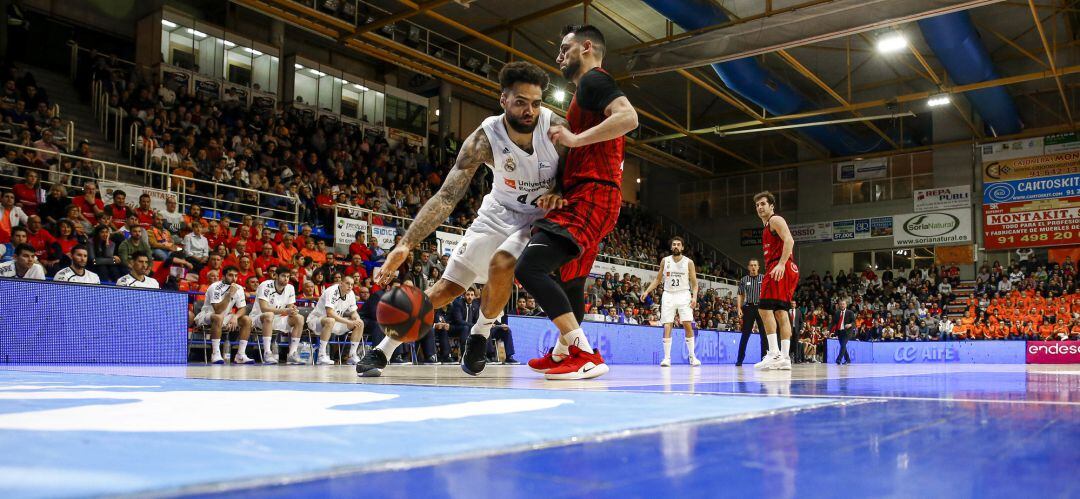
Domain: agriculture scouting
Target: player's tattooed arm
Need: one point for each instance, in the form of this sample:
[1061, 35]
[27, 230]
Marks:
[474, 152]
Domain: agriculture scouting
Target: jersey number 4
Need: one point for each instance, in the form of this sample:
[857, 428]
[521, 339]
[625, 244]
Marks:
[524, 199]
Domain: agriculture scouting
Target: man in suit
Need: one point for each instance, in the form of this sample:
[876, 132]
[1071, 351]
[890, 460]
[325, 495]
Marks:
[843, 324]
[464, 312]
[798, 353]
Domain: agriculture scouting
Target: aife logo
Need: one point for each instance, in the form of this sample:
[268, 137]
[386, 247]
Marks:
[906, 354]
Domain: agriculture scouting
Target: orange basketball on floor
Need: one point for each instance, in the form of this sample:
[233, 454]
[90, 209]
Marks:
[405, 313]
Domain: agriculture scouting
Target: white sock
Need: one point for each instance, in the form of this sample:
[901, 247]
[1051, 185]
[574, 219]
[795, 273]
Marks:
[562, 350]
[667, 348]
[773, 348]
[785, 347]
[352, 348]
[243, 348]
[266, 344]
[483, 326]
[388, 345]
[294, 343]
[690, 346]
[577, 338]
[215, 345]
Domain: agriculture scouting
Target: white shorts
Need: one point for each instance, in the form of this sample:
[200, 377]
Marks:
[496, 228]
[315, 324]
[670, 303]
[281, 323]
[203, 319]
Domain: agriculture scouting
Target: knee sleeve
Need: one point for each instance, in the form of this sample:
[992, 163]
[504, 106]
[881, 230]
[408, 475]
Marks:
[544, 254]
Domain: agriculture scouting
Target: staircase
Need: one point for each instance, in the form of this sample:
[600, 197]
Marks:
[61, 91]
[961, 294]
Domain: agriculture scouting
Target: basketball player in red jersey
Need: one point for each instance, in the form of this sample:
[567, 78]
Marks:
[568, 238]
[778, 284]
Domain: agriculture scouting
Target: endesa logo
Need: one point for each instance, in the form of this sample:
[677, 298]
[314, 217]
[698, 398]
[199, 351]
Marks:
[1053, 352]
[910, 353]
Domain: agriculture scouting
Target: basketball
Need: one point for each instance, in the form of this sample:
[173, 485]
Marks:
[405, 313]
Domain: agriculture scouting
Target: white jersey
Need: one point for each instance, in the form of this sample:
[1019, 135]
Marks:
[36, 271]
[331, 298]
[521, 178]
[130, 282]
[676, 274]
[219, 291]
[267, 291]
[67, 274]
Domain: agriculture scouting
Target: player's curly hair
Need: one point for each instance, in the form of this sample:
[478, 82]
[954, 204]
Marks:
[522, 72]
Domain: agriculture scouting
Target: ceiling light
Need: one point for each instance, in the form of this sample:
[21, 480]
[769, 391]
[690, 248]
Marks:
[639, 180]
[167, 23]
[892, 42]
[199, 34]
[559, 95]
[436, 112]
[297, 66]
[253, 52]
[361, 87]
[316, 73]
[938, 100]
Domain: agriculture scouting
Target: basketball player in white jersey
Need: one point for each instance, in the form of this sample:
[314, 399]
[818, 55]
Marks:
[337, 314]
[525, 165]
[137, 277]
[679, 276]
[275, 310]
[77, 271]
[223, 309]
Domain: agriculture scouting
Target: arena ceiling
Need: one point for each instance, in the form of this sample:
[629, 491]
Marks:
[842, 77]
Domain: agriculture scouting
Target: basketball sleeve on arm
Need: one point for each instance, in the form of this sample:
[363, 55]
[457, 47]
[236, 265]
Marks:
[596, 90]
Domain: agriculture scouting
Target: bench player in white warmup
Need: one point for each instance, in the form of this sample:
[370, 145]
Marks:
[337, 314]
[275, 310]
[77, 272]
[223, 310]
[679, 276]
[137, 277]
[524, 163]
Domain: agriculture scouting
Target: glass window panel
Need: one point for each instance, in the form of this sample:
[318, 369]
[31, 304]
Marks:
[860, 192]
[753, 184]
[734, 205]
[771, 182]
[719, 187]
[788, 179]
[841, 194]
[879, 190]
[860, 260]
[922, 182]
[902, 259]
[901, 188]
[789, 200]
[305, 88]
[922, 164]
[883, 259]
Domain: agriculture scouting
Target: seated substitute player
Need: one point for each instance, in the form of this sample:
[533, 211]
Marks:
[679, 276]
[139, 266]
[223, 306]
[337, 314]
[275, 310]
[78, 272]
[524, 163]
[23, 266]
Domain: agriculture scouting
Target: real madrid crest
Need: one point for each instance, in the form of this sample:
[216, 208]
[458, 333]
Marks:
[509, 165]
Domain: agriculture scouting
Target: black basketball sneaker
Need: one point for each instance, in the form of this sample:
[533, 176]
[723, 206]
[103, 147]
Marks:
[372, 364]
[475, 357]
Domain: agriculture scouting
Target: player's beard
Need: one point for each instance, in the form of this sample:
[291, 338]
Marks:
[571, 69]
[676, 252]
[520, 127]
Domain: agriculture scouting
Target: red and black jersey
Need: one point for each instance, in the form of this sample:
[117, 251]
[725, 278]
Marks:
[773, 245]
[602, 161]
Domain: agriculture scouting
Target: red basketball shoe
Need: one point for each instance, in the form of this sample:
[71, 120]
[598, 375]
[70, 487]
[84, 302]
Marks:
[580, 365]
[545, 363]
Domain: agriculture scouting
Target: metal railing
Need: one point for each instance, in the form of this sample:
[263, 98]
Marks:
[220, 199]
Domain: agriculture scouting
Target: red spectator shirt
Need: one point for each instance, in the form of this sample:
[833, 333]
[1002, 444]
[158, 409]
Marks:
[602, 161]
[41, 240]
[350, 270]
[87, 210]
[119, 215]
[265, 262]
[146, 218]
[360, 249]
[27, 196]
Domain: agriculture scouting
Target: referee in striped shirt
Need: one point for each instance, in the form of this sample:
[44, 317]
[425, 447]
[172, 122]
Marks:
[749, 293]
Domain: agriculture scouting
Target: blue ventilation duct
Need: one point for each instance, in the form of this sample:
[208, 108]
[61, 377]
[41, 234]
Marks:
[957, 45]
[747, 78]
